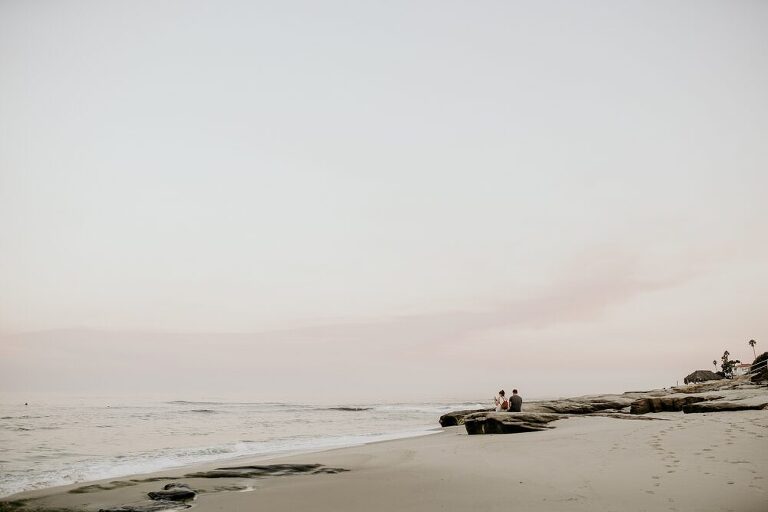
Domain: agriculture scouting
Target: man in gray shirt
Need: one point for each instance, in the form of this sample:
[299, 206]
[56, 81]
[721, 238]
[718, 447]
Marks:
[515, 402]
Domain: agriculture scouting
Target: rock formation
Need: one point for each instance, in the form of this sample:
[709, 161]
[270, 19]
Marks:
[581, 405]
[508, 422]
[749, 403]
[577, 405]
[457, 417]
[708, 396]
[701, 376]
[671, 403]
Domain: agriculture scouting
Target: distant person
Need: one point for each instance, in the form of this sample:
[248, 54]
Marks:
[515, 402]
[502, 404]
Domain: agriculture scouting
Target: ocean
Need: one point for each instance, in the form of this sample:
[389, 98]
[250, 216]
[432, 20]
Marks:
[45, 444]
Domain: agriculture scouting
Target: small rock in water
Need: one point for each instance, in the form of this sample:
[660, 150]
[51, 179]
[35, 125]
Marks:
[177, 494]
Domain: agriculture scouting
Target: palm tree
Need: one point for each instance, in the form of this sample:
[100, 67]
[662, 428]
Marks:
[714, 362]
[752, 344]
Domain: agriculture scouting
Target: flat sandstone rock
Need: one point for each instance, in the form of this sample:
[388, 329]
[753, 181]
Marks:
[671, 403]
[746, 404]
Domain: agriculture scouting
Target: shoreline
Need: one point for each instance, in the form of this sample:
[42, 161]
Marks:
[53, 444]
[363, 439]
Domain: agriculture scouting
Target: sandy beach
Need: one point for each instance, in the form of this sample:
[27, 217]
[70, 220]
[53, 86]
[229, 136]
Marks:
[664, 461]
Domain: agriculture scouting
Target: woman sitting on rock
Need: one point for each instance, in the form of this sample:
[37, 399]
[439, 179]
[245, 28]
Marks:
[502, 404]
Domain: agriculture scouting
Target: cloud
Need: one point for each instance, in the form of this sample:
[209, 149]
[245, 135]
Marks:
[329, 357]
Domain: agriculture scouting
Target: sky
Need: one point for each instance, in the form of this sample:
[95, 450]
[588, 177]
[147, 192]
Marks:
[382, 201]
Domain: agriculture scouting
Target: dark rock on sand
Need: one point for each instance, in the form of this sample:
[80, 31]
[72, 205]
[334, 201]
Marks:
[454, 418]
[701, 376]
[507, 422]
[266, 470]
[173, 494]
[149, 506]
[671, 403]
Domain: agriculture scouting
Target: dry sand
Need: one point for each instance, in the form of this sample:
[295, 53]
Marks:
[675, 462]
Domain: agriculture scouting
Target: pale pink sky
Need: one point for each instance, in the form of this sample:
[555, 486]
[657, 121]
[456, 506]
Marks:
[384, 201]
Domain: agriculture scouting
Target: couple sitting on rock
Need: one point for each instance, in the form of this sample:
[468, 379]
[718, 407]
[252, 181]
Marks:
[514, 404]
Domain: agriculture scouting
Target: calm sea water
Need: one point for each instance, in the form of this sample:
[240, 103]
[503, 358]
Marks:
[54, 443]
